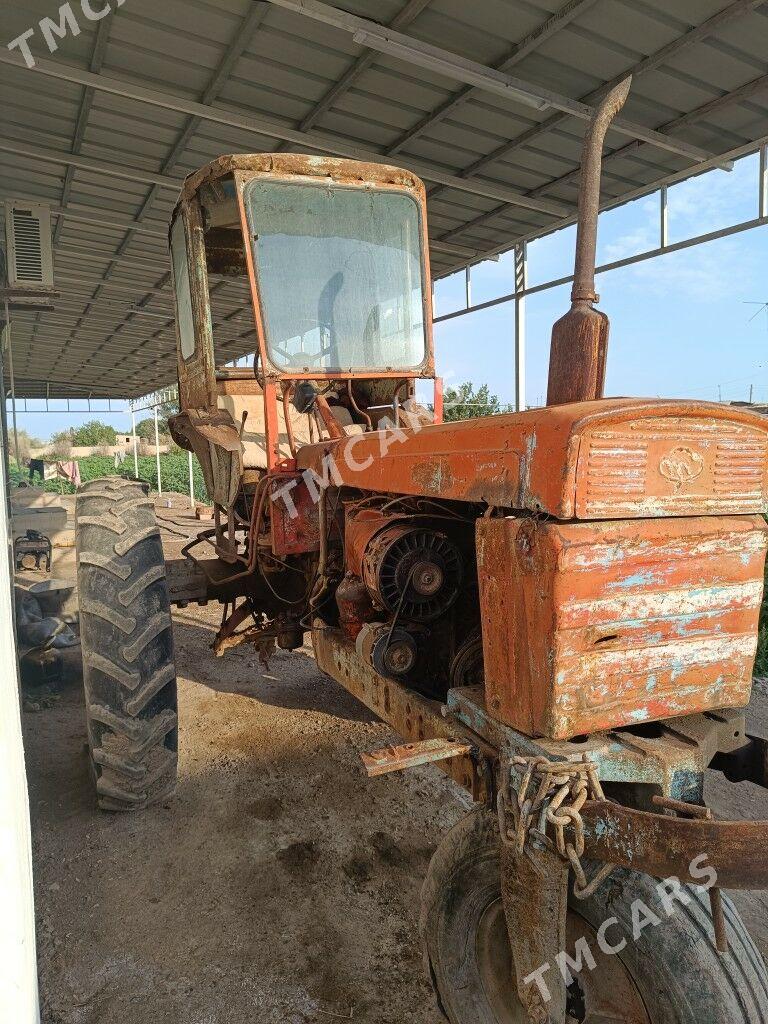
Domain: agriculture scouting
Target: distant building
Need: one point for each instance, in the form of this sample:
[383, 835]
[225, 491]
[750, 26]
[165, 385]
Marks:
[758, 407]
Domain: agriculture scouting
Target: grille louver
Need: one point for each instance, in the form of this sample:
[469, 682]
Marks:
[28, 229]
[673, 467]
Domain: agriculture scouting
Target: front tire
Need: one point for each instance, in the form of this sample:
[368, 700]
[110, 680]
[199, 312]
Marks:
[127, 642]
[671, 975]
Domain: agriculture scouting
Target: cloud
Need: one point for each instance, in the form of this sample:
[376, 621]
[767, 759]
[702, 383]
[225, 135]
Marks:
[708, 273]
[714, 199]
[634, 242]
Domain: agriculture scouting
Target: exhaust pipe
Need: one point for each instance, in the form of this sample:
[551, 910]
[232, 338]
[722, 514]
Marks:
[579, 348]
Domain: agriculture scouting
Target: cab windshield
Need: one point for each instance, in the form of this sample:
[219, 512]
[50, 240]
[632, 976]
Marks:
[340, 275]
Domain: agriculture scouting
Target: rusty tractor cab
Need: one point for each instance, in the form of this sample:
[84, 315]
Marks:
[334, 256]
[558, 607]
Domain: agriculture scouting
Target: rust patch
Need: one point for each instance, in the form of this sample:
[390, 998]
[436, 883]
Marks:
[594, 626]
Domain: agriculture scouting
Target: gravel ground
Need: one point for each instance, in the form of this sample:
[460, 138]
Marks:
[279, 886]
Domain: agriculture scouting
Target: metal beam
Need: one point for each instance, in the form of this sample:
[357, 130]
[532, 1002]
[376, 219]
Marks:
[650, 63]
[141, 289]
[451, 249]
[89, 163]
[96, 64]
[233, 53]
[158, 263]
[444, 62]
[738, 95]
[521, 283]
[568, 13]
[744, 92]
[627, 261]
[259, 126]
[107, 222]
[409, 13]
[275, 130]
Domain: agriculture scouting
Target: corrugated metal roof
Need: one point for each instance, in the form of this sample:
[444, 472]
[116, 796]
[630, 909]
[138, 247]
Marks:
[701, 77]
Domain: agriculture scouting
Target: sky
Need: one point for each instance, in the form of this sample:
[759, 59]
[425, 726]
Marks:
[681, 324]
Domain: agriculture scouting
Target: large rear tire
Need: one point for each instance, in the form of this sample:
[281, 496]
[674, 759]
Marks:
[126, 633]
[672, 974]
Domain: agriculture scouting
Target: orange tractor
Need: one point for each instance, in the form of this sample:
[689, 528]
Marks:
[557, 607]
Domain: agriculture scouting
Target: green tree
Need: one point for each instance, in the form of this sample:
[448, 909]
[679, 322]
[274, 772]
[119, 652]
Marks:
[145, 429]
[466, 402]
[26, 443]
[94, 433]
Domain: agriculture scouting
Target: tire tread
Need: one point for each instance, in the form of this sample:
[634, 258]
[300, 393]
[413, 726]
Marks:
[126, 634]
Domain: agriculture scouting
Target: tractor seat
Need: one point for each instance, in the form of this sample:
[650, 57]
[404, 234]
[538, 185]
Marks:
[254, 434]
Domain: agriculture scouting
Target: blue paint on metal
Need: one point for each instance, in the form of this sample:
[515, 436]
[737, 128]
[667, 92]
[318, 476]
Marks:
[637, 580]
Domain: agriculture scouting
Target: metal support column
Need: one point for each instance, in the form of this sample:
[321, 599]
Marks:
[521, 283]
[4, 443]
[157, 455]
[191, 480]
[9, 344]
[663, 218]
[763, 204]
[135, 445]
[18, 960]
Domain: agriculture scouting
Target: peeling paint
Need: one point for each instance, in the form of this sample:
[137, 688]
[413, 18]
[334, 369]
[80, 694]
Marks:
[623, 641]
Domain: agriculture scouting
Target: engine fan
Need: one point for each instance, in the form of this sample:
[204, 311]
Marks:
[413, 571]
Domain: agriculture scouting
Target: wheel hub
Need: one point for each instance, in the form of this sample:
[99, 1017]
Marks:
[606, 995]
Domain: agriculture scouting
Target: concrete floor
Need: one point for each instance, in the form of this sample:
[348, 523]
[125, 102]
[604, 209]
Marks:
[279, 886]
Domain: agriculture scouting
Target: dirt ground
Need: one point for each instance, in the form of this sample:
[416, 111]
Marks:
[279, 886]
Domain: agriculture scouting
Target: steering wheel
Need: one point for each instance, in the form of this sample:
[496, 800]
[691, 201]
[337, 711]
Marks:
[309, 358]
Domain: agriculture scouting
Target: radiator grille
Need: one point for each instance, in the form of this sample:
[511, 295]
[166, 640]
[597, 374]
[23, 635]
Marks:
[673, 467]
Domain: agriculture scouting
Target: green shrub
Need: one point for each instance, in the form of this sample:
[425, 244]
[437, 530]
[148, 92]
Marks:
[89, 435]
[467, 402]
[174, 473]
[145, 429]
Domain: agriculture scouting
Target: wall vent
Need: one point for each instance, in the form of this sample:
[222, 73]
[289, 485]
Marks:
[30, 258]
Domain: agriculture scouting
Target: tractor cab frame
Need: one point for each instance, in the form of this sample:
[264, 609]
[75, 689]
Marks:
[334, 258]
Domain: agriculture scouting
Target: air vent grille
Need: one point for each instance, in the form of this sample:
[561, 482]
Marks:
[673, 466]
[29, 246]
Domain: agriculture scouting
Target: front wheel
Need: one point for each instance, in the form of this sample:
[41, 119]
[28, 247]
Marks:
[127, 644]
[671, 974]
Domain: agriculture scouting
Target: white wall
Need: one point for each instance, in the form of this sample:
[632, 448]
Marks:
[18, 966]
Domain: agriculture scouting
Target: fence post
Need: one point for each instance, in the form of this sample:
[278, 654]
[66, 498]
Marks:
[157, 455]
[191, 481]
[135, 445]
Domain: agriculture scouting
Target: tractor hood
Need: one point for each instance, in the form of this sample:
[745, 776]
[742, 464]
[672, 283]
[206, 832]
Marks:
[614, 458]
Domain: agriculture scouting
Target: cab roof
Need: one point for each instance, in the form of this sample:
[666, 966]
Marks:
[305, 165]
